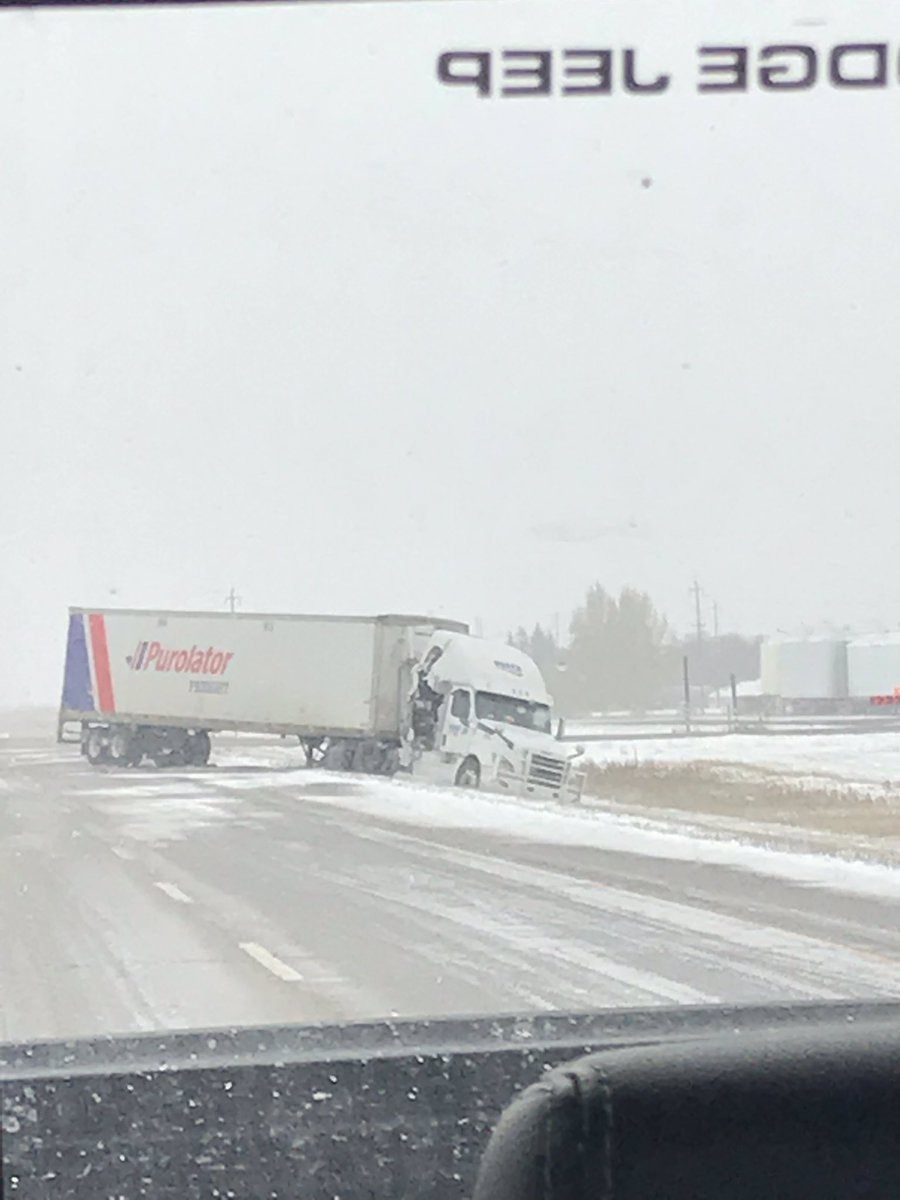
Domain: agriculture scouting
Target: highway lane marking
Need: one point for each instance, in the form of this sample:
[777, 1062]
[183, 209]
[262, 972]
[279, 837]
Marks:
[271, 963]
[174, 892]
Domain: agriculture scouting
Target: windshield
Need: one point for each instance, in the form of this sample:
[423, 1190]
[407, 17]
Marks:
[489, 706]
[351, 354]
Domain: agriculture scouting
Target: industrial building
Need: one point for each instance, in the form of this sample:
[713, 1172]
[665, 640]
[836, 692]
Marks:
[821, 674]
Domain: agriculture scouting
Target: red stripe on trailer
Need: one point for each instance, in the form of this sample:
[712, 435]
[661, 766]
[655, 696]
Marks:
[101, 663]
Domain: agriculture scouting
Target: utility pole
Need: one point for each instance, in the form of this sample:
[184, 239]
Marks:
[697, 592]
[717, 656]
[686, 681]
[232, 600]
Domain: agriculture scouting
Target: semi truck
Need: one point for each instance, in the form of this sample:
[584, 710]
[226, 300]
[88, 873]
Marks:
[380, 695]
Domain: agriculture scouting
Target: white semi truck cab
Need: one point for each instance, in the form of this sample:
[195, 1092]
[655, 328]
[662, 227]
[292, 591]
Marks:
[480, 716]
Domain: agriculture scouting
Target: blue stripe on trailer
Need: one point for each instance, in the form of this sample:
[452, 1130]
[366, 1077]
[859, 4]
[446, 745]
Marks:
[77, 692]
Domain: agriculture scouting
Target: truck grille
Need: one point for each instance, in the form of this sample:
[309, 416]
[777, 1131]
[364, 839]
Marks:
[546, 771]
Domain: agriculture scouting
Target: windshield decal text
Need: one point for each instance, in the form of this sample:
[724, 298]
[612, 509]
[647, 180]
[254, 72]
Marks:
[781, 66]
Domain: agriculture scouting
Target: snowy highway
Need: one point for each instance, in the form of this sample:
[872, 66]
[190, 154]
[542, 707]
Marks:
[254, 892]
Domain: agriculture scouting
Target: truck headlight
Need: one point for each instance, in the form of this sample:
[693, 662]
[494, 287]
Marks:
[506, 766]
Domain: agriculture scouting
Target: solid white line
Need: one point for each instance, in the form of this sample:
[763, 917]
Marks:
[174, 892]
[271, 963]
[124, 854]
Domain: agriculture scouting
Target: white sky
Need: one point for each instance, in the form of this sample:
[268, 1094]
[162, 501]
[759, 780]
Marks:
[281, 312]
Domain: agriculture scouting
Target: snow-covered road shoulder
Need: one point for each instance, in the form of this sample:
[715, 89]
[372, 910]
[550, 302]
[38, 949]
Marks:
[411, 804]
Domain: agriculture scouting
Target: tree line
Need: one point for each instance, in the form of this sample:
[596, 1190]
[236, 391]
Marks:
[622, 654]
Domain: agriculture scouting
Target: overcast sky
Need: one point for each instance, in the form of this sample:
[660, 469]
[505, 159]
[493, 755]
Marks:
[279, 311]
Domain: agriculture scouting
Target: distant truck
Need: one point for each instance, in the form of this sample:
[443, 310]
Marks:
[372, 694]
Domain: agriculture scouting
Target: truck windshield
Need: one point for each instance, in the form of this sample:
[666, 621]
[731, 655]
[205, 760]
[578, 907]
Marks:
[390, 351]
[491, 706]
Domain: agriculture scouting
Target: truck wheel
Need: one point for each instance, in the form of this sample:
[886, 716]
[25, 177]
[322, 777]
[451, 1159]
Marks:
[95, 748]
[469, 774]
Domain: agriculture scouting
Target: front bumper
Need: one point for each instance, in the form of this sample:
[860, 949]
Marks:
[541, 778]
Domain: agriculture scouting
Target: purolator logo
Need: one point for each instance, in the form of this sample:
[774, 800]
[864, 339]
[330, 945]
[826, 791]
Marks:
[195, 661]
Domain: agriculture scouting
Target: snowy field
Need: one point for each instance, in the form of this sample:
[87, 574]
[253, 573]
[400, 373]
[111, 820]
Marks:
[852, 757]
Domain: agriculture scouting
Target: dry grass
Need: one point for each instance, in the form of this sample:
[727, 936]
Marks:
[862, 820]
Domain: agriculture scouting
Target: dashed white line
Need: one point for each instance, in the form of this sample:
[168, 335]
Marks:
[271, 963]
[174, 892]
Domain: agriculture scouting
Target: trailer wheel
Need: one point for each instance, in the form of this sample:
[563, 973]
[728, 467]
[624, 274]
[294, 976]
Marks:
[368, 758]
[338, 756]
[169, 758]
[469, 774]
[121, 748]
[95, 749]
[198, 749]
[391, 762]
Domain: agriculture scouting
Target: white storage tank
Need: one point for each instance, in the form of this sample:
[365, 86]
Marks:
[805, 669]
[873, 664]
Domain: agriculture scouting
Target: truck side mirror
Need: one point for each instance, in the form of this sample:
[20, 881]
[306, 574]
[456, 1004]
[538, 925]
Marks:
[560, 729]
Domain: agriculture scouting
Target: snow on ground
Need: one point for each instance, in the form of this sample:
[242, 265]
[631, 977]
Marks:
[256, 752]
[853, 757]
[421, 806]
